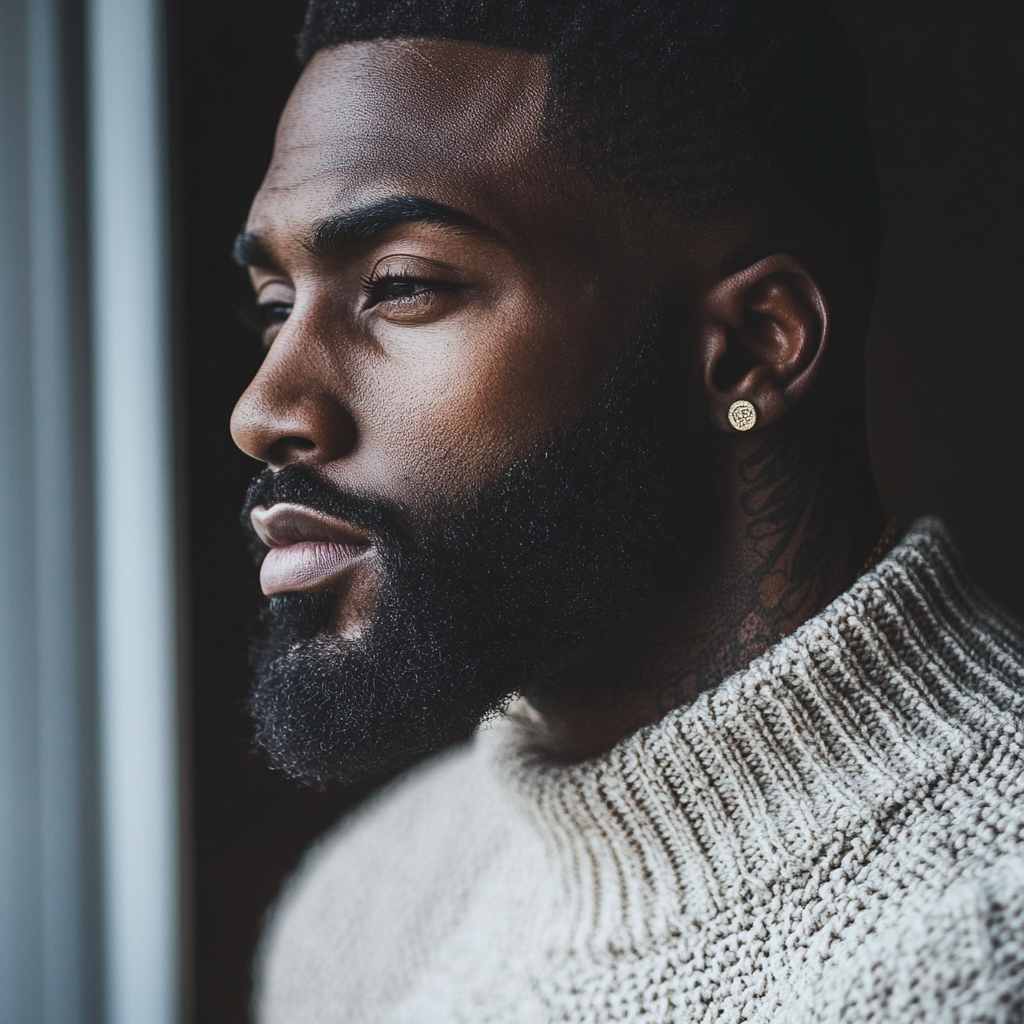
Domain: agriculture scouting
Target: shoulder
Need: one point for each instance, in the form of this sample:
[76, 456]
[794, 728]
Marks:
[949, 956]
[371, 896]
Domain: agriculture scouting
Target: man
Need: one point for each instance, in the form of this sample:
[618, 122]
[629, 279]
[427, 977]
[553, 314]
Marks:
[562, 414]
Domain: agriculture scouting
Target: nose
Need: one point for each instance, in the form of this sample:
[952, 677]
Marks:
[290, 413]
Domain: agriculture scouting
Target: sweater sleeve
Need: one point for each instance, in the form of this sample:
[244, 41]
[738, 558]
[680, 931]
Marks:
[956, 957]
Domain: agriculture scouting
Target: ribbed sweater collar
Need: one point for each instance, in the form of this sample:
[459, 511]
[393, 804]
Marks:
[797, 759]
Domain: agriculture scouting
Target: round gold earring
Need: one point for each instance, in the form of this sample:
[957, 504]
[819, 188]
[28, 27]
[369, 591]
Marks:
[742, 415]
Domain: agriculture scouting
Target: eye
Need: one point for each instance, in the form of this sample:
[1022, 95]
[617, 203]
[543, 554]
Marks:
[264, 319]
[400, 288]
[412, 290]
[273, 314]
[270, 317]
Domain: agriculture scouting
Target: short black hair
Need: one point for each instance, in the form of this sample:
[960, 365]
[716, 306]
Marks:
[715, 107]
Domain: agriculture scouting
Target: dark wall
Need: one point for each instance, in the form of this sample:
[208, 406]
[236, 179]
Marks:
[233, 69]
[947, 362]
[947, 343]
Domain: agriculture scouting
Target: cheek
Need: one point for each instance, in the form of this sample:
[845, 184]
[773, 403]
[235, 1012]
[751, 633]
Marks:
[450, 409]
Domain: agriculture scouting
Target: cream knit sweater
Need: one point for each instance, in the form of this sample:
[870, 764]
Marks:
[833, 834]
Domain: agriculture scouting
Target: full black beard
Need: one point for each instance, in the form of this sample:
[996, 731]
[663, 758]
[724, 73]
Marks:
[489, 597]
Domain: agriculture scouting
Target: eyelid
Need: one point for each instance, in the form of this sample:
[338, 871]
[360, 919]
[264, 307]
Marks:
[416, 266]
[274, 292]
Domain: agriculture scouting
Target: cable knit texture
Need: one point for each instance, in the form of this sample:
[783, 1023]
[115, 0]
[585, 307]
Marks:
[833, 834]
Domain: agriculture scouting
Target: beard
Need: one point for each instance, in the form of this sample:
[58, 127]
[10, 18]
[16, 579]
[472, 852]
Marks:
[489, 597]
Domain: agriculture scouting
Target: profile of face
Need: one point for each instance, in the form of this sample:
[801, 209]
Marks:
[484, 440]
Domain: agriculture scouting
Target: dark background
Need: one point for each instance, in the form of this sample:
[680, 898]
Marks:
[946, 385]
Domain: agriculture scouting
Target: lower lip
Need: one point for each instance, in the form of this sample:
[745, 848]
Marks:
[307, 565]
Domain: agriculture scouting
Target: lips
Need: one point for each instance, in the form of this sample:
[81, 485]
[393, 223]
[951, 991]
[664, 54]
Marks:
[308, 550]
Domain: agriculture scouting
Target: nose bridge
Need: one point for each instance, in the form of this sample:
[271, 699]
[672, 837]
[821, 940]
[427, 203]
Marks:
[294, 409]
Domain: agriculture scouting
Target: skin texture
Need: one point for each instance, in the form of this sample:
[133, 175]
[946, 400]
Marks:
[420, 392]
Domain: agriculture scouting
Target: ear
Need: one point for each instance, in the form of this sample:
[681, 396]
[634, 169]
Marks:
[764, 331]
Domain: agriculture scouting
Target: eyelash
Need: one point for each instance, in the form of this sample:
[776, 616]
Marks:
[266, 316]
[273, 314]
[375, 288]
[259, 318]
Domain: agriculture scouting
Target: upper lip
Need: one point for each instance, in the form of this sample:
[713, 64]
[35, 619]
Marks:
[287, 523]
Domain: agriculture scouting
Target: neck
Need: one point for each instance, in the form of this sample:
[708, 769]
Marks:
[796, 518]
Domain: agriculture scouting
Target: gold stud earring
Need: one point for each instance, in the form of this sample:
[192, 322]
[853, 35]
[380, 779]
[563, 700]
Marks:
[742, 415]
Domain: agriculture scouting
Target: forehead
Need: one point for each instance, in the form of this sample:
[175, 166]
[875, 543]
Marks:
[457, 121]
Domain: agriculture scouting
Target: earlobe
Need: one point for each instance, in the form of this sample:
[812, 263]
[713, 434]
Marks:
[764, 333]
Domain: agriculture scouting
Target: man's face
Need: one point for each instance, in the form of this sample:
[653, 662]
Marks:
[416, 363]
[445, 303]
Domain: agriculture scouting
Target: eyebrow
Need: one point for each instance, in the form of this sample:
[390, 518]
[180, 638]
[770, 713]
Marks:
[249, 251]
[359, 224]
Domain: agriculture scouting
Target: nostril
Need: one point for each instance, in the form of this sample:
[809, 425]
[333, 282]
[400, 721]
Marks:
[284, 449]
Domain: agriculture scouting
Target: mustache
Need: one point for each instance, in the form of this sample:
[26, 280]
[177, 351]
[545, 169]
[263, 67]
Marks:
[299, 485]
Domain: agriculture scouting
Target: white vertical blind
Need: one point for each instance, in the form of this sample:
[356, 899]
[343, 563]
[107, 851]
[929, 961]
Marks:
[63, 523]
[89, 849]
[134, 509]
[49, 874]
[20, 927]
